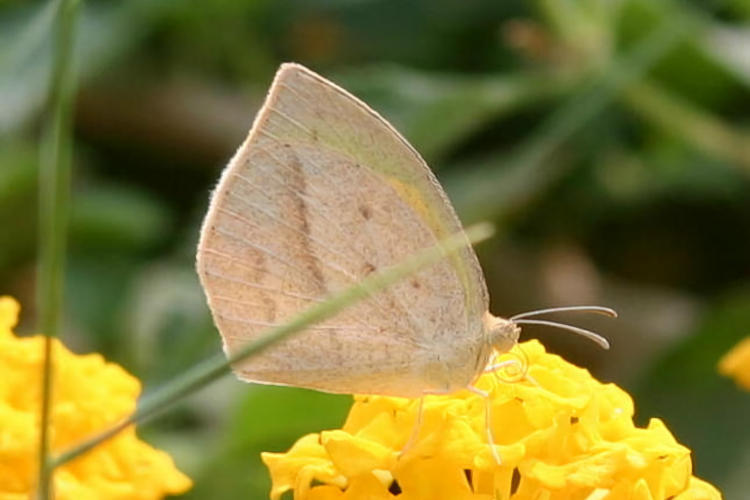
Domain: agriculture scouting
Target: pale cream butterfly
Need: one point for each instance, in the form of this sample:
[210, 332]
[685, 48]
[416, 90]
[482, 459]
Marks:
[322, 193]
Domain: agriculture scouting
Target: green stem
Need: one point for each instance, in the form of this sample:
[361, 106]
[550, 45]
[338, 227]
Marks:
[215, 367]
[700, 128]
[495, 190]
[54, 201]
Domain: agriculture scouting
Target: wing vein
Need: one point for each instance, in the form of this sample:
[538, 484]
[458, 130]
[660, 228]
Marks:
[376, 299]
[260, 249]
[266, 324]
[330, 265]
[290, 120]
[397, 302]
[414, 320]
[281, 222]
[252, 284]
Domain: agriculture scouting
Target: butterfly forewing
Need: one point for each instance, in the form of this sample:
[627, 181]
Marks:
[322, 193]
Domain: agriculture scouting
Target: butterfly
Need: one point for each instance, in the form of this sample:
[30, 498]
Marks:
[322, 193]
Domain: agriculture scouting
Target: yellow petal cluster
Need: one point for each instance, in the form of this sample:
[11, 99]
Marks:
[736, 364]
[89, 394]
[562, 435]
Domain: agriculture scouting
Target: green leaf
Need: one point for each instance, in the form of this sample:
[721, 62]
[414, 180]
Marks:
[704, 410]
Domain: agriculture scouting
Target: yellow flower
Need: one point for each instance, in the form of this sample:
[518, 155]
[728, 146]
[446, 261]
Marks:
[736, 364]
[562, 435]
[89, 394]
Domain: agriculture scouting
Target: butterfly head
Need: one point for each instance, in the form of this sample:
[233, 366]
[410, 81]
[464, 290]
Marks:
[502, 333]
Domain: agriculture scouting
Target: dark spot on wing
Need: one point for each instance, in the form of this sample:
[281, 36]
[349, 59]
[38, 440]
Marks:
[270, 311]
[573, 420]
[365, 211]
[298, 210]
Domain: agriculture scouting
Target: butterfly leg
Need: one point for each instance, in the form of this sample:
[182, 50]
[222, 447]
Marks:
[521, 364]
[487, 421]
[494, 368]
[415, 429]
[491, 368]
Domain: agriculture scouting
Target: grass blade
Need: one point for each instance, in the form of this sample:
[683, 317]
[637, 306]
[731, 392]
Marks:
[218, 366]
[54, 201]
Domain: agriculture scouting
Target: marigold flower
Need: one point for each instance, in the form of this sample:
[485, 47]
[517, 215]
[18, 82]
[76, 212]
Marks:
[89, 394]
[736, 364]
[562, 435]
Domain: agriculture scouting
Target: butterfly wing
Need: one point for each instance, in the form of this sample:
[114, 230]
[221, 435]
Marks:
[322, 193]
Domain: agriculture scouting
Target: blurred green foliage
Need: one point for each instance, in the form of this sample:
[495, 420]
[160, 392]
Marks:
[608, 139]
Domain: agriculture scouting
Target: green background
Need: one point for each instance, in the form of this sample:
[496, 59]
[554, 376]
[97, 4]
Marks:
[608, 140]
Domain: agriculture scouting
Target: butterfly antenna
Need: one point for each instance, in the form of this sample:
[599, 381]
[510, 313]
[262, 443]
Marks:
[521, 319]
[580, 331]
[606, 311]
